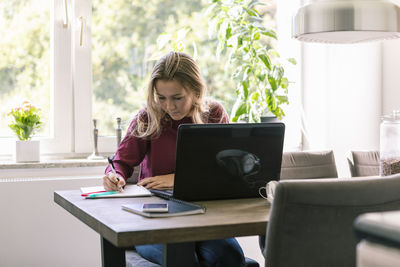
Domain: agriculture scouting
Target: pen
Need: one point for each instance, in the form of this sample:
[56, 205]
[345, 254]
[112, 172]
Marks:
[86, 194]
[112, 167]
[102, 194]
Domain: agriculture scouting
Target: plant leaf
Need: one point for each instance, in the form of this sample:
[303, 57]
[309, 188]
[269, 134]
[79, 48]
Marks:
[261, 77]
[256, 3]
[282, 99]
[238, 109]
[278, 72]
[292, 60]
[254, 96]
[274, 53]
[252, 12]
[265, 59]
[256, 35]
[228, 32]
[272, 82]
[284, 83]
[269, 33]
[245, 86]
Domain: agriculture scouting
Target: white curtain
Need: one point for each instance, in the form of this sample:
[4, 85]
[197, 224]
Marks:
[341, 98]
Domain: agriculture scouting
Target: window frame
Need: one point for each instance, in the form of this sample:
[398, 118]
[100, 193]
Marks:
[83, 85]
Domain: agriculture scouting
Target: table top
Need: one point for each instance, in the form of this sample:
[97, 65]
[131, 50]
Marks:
[223, 218]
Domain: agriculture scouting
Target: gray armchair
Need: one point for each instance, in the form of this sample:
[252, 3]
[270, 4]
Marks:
[311, 220]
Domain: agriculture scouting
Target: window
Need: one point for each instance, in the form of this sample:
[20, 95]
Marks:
[24, 66]
[124, 50]
[30, 70]
[124, 35]
[92, 61]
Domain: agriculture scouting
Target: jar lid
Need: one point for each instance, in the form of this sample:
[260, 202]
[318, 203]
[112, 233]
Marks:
[394, 116]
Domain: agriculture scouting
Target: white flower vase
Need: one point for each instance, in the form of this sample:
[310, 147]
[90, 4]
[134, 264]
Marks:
[27, 151]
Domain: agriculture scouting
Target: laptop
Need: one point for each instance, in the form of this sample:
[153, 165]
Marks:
[225, 161]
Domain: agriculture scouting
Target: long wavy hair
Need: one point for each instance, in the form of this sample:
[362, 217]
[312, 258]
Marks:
[182, 68]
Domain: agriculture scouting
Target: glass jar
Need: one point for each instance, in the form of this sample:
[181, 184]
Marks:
[390, 144]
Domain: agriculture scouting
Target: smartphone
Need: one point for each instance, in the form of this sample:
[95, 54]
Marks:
[155, 207]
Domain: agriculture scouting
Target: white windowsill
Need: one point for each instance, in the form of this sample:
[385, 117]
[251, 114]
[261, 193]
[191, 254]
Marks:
[55, 163]
[52, 167]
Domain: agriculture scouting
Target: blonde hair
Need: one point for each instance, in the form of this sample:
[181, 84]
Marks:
[182, 68]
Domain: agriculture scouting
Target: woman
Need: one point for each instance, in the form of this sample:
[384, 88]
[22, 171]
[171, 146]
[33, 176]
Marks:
[175, 96]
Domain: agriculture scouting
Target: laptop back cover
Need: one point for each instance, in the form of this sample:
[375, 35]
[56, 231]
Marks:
[225, 161]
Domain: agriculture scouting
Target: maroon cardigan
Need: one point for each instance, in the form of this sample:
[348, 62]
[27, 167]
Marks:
[155, 156]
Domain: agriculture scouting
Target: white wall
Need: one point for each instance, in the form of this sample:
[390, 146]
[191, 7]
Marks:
[35, 231]
[391, 76]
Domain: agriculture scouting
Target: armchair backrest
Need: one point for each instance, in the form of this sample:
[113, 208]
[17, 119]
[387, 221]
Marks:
[364, 163]
[308, 164]
[311, 220]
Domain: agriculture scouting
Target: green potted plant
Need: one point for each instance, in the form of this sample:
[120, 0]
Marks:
[25, 121]
[262, 87]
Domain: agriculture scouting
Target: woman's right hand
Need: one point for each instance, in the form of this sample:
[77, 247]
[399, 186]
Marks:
[113, 182]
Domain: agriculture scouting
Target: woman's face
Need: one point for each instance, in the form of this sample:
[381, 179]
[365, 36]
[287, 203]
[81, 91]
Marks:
[174, 99]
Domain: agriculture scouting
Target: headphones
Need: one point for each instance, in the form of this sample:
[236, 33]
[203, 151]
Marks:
[238, 163]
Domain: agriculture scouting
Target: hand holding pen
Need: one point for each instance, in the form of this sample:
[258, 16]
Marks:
[112, 181]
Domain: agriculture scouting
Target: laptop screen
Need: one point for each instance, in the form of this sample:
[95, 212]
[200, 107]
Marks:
[224, 161]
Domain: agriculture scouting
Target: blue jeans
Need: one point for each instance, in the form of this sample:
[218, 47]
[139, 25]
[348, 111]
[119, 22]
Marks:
[218, 253]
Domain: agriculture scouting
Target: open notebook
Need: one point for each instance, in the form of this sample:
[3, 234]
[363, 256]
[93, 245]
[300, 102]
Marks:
[131, 190]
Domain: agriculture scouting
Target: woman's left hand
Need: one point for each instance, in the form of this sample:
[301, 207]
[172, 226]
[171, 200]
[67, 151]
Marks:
[162, 182]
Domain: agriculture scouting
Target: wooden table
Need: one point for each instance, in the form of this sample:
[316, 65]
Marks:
[120, 230]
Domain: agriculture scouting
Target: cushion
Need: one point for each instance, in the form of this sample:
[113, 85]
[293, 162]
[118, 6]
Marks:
[133, 259]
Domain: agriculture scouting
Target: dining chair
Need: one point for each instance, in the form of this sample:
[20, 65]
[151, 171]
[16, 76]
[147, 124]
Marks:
[311, 220]
[363, 163]
[305, 165]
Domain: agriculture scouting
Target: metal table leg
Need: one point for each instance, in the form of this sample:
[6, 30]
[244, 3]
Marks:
[112, 256]
[179, 254]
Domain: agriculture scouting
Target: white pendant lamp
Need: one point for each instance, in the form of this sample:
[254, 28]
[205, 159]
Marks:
[347, 21]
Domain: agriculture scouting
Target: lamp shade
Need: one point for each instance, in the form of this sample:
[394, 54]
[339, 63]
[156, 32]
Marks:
[347, 21]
